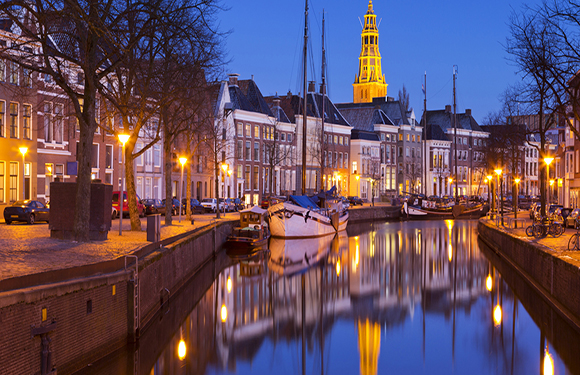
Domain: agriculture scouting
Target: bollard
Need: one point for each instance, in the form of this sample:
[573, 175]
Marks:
[154, 228]
[192, 221]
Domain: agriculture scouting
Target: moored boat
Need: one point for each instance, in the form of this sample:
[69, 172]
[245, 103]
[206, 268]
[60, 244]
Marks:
[252, 232]
[460, 211]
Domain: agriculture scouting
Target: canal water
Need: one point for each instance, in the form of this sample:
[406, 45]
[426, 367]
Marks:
[394, 298]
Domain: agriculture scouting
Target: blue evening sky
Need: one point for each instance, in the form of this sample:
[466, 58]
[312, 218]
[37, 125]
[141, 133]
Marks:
[415, 36]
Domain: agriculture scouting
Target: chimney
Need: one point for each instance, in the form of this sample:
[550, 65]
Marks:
[311, 86]
[468, 112]
[289, 95]
[390, 99]
[322, 89]
[276, 101]
[233, 79]
[448, 108]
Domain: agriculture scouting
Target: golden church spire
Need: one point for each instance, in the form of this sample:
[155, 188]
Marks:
[370, 81]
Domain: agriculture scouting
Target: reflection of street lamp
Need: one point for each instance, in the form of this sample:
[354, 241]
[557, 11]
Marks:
[548, 362]
[23, 151]
[225, 169]
[488, 283]
[224, 313]
[181, 350]
[182, 161]
[498, 172]
[123, 138]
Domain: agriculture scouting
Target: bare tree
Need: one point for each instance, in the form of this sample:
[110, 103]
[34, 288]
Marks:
[404, 99]
[276, 153]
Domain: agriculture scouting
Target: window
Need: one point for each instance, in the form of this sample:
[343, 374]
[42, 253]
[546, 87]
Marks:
[247, 177]
[400, 137]
[26, 78]
[256, 177]
[413, 138]
[346, 159]
[340, 140]
[2, 70]
[256, 151]
[240, 127]
[346, 141]
[340, 160]
[239, 174]
[14, 73]
[27, 113]
[2, 174]
[109, 157]
[408, 137]
[248, 154]
[283, 137]
[94, 156]
[13, 181]
[418, 138]
[13, 120]
[2, 112]
[248, 130]
[256, 131]
[289, 137]
[354, 167]
[240, 149]
[407, 151]
[382, 136]
[139, 147]
[335, 140]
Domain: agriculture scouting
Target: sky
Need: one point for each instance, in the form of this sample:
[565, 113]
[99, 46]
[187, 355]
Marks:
[415, 37]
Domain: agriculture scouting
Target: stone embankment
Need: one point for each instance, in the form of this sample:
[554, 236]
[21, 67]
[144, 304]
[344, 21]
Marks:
[546, 264]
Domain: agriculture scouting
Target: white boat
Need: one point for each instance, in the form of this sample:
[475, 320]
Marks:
[291, 220]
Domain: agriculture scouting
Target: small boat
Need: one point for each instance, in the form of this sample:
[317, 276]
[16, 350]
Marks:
[417, 208]
[253, 231]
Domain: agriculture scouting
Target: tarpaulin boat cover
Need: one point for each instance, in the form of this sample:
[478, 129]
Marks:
[303, 201]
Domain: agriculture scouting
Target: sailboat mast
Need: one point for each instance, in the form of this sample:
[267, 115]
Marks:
[304, 99]
[425, 163]
[323, 92]
[455, 132]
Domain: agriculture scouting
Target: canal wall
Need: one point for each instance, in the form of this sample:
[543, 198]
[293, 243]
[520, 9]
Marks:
[376, 213]
[71, 322]
[553, 277]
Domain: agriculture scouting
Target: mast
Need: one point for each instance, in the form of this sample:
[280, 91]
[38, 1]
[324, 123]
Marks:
[323, 92]
[455, 131]
[425, 160]
[304, 99]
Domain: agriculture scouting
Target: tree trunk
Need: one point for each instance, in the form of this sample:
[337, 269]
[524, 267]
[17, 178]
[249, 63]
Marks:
[130, 182]
[217, 187]
[83, 195]
[168, 171]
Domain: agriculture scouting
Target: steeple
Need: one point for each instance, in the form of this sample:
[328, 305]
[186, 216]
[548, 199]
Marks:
[369, 83]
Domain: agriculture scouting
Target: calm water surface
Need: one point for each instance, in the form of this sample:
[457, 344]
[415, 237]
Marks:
[394, 298]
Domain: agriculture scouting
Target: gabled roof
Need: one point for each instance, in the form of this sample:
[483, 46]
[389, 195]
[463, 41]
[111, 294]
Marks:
[292, 106]
[393, 109]
[363, 134]
[254, 96]
[365, 118]
[444, 119]
[239, 100]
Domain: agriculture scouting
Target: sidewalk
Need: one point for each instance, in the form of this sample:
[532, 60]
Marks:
[559, 244]
[28, 249]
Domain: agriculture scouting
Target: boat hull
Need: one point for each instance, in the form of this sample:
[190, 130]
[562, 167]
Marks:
[288, 220]
[420, 213]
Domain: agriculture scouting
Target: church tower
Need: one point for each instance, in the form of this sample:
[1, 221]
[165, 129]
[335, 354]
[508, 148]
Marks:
[369, 83]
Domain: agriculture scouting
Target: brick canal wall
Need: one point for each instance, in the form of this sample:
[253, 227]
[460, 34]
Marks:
[75, 322]
[554, 278]
[368, 213]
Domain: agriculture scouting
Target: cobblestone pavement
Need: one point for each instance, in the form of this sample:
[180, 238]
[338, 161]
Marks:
[558, 245]
[27, 249]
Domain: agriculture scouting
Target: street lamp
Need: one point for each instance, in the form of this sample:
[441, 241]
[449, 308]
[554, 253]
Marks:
[23, 151]
[450, 180]
[357, 177]
[489, 178]
[225, 169]
[498, 172]
[548, 160]
[516, 206]
[182, 161]
[123, 138]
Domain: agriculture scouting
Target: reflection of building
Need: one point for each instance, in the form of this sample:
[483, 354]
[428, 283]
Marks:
[369, 346]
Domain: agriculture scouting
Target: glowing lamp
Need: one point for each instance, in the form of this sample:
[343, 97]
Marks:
[182, 160]
[23, 150]
[123, 138]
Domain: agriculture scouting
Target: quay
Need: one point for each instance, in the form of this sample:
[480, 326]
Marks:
[68, 304]
[544, 263]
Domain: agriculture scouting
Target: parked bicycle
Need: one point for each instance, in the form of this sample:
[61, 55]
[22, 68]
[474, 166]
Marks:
[542, 227]
[574, 241]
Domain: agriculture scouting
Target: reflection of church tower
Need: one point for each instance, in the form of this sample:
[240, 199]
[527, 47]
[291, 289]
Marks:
[370, 81]
[369, 346]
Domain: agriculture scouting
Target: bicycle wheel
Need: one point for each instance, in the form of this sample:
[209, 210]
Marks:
[573, 242]
[530, 231]
[539, 230]
[561, 230]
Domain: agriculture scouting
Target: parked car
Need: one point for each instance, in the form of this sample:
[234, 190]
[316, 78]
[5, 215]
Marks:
[140, 208]
[354, 200]
[565, 212]
[175, 206]
[226, 205]
[209, 204]
[571, 219]
[114, 213]
[196, 207]
[153, 206]
[239, 204]
[27, 210]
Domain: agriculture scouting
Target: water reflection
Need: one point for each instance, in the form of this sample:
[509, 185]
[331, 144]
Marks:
[412, 297]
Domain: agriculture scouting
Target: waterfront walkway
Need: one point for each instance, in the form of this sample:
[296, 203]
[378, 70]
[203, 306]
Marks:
[28, 249]
[558, 245]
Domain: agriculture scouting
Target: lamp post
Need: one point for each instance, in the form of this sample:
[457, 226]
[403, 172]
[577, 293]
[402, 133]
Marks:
[123, 138]
[450, 180]
[23, 151]
[230, 172]
[182, 161]
[225, 169]
[516, 206]
[548, 160]
[498, 173]
[357, 183]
